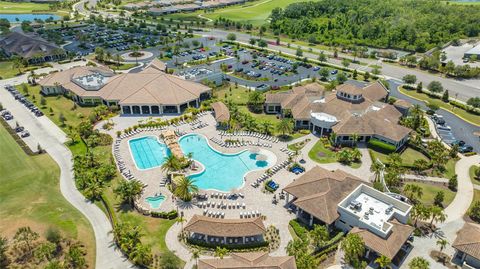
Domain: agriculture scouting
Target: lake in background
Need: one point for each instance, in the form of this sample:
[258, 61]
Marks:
[27, 17]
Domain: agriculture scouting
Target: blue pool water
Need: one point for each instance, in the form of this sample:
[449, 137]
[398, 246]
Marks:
[27, 17]
[223, 172]
[155, 201]
[148, 152]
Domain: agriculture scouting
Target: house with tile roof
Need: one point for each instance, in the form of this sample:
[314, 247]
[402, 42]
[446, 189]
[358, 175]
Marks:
[343, 201]
[346, 111]
[149, 92]
[467, 246]
[30, 47]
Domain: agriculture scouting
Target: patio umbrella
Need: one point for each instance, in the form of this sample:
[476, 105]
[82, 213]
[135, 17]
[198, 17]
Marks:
[255, 150]
[261, 157]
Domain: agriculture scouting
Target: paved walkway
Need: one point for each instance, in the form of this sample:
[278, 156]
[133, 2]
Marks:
[52, 140]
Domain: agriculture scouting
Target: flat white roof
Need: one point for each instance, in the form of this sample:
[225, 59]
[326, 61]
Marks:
[373, 211]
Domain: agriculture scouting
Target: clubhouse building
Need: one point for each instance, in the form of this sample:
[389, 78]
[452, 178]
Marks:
[346, 111]
[259, 260]
[149, 92]
[342, 201]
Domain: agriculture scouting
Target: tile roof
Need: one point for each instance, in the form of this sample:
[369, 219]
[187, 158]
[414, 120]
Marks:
[319, 191]
[249, 260]
[28, 45]
[225, 227]
[386, 246]
[468, 240]
[222, 114]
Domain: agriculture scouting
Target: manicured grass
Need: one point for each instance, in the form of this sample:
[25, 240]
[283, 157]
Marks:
[474, 119]
[476, 197]
[256, 12]
[30, 196]
[122, 66]
[450, 168]
[408, 156]
[471, 172]
[327, 156]
[261, 116]
[7, 70]
[429, 192]
[22, 7]
[238, 95]
[59, 104]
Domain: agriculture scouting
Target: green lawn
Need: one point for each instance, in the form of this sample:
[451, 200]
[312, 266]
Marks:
[30, 196]
[7, 70]
[256, 12]
[320, 154]
[474, 119]
[122, 66]
[429, 192]
[471, 172]
[476, 197]
[59, 104]
[238, 95]
[408, 156]
[22, 7]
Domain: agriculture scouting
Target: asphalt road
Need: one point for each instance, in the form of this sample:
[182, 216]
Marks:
[464, 88]
[461, 129]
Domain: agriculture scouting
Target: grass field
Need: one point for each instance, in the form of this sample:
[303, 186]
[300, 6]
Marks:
[30, 196]
[59, 104]
[408, 156]
[474, 119]
[471, 172]
[256, 12]
[22, 7]
[429, 192]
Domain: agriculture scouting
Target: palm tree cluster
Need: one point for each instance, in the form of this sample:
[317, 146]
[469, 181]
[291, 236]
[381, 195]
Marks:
[28, 249]
[347, 155]
[128, 238]
[243, 120]
[173, 163]
[129, 191]
[91, 176]
[424, 213]
[255, 101]
[354, 249]
[419, 263]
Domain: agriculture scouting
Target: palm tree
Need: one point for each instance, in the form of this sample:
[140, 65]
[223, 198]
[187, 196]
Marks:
[355, 138]
[184, 188]
[383, 261]
[413, 191]
[376, 168]
[195, 255]
[437, 214]
[141, 254]
[170, 164]
[333, 138]
[267, 127]
[129, 191]
[442, 243]
[285, 126]
[354, 248]
[220, 252]
[18, 63]
[356, 154]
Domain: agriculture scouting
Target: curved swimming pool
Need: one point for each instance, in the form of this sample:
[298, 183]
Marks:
[222, 172]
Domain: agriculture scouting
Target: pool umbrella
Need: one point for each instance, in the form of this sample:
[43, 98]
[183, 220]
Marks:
[255, 150]
[261, 157]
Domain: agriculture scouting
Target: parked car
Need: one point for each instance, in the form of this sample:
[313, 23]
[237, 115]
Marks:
[465, 149]
[24, 134]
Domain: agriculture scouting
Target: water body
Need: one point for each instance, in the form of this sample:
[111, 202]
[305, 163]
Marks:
[27, 17]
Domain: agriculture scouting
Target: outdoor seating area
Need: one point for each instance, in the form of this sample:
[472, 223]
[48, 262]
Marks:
[250, 134]
[238, 144]
[270, 173]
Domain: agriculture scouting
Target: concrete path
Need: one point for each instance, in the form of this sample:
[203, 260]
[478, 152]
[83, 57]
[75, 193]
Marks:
[52, 140]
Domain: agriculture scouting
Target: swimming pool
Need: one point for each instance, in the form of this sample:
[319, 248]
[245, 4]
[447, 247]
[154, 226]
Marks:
[148, 152]
[155, 201]
[222, 172]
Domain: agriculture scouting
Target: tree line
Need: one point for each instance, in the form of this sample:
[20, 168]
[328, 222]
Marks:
[415, 25]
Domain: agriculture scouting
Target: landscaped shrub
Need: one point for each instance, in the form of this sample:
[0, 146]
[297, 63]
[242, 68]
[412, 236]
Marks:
[381, 146]
[165, 215]
[298, 228]
[204, 244]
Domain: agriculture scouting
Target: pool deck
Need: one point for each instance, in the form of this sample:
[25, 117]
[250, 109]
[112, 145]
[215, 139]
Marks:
[254, 198]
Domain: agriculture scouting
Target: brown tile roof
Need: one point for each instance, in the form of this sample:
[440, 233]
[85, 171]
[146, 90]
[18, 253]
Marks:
[249, 260]
[157, 64]
[225, 227]
[468, 240]
[350, 89]
[222, 114]
[375, 91]
[319, 191]
[28, 45]
[391, 245]
[151, 86]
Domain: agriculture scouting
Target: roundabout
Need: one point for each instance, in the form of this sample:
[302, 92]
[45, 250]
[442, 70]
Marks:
[137, 56]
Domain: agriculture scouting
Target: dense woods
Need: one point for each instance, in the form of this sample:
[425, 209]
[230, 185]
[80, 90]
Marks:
[414, 25]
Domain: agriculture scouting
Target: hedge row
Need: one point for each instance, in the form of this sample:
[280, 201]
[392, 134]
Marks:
[298, 228]
[204, 244]
[165, 215]
[337, 238]
[381, 146]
